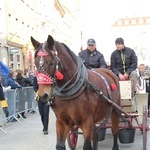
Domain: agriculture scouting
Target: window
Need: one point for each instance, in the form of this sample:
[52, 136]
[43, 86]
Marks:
[126, 22]
[119, 23]
[133, 22]
[18, 66]
[18, 58]
[12, 66]
[11, 57]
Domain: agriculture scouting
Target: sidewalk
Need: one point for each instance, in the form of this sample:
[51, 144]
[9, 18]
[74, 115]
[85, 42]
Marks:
[29, 136]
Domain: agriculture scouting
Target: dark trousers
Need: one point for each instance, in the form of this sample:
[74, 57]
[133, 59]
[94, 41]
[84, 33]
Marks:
[44, 112]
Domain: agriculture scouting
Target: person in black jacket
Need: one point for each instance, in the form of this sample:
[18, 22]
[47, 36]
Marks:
[148, 91]
[145, 77]
[3, 101]
[43, 108]
[124, 62]
[22, 94]
[91, 57]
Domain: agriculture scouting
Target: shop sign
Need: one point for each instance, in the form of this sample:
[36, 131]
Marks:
[14, 50]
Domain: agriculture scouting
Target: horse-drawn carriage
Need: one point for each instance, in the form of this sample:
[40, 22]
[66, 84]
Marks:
[136, 108]
[85, 99]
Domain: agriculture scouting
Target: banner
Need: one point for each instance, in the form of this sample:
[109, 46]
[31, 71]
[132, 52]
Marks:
[4, 70]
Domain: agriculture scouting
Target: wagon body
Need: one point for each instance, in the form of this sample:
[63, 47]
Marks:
[135, 105]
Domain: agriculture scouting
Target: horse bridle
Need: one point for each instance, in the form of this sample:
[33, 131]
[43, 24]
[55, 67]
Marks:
[42, 76]
[66, 91]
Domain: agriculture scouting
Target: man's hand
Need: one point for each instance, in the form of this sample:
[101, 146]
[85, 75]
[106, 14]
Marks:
[121, 77]
[126, 76]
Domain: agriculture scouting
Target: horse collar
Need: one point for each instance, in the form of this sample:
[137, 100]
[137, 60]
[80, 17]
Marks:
[77, 87]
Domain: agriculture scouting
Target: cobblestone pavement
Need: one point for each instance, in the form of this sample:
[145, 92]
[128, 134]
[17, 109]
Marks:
[29, 136]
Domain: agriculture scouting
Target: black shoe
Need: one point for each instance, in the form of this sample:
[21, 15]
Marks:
[33, 112]
[18, 116]
[45, 132]
[24, 117]
[13, 120]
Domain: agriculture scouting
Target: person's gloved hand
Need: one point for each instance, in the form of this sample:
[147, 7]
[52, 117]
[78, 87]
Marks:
[5, 106]
[6, 88]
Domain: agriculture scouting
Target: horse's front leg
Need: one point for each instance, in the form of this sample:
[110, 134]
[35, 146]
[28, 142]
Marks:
[62, 131]
[87, 129]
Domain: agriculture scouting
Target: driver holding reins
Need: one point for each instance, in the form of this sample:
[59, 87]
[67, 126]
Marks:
[91, 57]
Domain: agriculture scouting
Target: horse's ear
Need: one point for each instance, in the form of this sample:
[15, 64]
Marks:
[35, 43]
[50, 41]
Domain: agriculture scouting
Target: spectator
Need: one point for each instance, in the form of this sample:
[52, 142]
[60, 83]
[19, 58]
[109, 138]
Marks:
[31, 93]
[43, 109]
[22, 80]
[91, 57]
[22, 95]
[3, 101]
[10, 81]
[31, 77]
[142, 75]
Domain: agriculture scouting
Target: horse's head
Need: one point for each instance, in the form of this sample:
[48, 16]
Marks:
[52, 62]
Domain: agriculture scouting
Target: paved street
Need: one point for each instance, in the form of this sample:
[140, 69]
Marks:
[29, 136]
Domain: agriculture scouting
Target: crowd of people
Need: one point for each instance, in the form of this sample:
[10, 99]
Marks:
[123, 63]
[18, 80]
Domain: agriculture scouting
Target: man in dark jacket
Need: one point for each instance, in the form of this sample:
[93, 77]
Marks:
[3, 101]
[91, 57]
[124, 62]
[43, 108]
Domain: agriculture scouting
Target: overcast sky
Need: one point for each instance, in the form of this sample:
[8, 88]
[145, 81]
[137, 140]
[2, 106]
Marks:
[100, 15]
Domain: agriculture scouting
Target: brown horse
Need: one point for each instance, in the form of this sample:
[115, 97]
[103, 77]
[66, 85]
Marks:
[75, 93]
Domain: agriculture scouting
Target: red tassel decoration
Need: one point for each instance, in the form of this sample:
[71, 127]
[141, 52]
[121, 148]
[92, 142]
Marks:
[59, 75]
[113, 86]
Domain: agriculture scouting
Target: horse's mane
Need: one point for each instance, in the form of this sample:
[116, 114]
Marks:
[72, 54]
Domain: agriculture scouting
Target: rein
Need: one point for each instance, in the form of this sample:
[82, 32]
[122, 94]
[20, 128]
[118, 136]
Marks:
[100, 93]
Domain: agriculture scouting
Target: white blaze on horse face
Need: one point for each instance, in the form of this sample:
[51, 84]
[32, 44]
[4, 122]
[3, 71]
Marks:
[44, 89]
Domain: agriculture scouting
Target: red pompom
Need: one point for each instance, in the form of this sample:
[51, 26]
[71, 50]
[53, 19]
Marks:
[113, 86]
[59, 75]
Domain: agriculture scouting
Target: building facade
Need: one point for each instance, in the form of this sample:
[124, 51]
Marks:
[22, 19]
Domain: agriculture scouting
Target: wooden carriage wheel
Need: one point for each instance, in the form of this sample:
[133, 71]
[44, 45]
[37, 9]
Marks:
[144, 127]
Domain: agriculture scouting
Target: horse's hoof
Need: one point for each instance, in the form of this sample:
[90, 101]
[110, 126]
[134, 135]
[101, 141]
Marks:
[45, 132]
[60, 147]
[116, 148]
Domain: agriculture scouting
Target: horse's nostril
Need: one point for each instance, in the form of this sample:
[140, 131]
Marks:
[45, 96]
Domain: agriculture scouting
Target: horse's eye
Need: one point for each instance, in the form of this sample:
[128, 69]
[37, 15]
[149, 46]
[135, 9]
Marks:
[50, 63]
